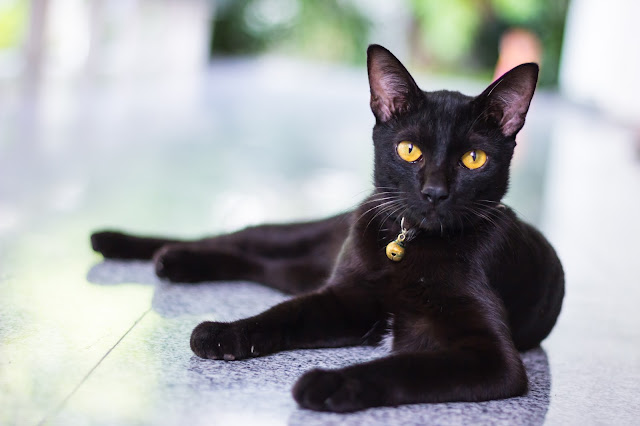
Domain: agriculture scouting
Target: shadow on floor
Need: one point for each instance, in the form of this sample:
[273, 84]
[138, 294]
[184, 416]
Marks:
[224, 300]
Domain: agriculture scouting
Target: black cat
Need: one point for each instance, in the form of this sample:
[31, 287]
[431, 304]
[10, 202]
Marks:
[431, 257]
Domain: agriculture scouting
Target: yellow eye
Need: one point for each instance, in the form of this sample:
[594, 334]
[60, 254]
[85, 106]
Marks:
[409, 152]
[474, 159]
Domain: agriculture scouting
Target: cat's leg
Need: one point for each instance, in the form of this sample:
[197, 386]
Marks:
[189, 263]
[282, 241]
[473, 359]
[411, 378]
[293, 258]
[192, 262]
[331, 317]
[271, 241]
[118, 245]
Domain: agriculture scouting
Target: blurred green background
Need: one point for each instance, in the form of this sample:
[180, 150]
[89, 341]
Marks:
[451, 37]
[459, 37]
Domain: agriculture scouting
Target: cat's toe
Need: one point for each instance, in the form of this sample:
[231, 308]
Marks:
[330, 390]
[216, 340]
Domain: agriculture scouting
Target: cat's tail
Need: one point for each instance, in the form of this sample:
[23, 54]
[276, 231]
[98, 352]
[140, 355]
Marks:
[117, 245]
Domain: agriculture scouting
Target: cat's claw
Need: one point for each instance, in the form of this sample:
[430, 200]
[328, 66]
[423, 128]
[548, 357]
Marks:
[218, 340]
[333, 390]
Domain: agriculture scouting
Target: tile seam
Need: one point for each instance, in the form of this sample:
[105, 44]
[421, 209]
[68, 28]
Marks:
[59, 407]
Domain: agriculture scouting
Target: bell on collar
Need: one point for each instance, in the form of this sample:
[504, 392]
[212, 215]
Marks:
[395, 250]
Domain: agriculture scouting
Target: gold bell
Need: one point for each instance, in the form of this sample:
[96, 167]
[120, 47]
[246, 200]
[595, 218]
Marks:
[395, 250]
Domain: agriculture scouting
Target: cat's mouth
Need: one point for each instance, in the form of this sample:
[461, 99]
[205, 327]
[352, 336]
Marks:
[427, 219]
[433, 221]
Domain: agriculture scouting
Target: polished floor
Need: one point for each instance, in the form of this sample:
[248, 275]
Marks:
[83, 341]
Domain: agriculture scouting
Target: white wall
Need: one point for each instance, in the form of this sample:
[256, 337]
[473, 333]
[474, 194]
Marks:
[601, 56]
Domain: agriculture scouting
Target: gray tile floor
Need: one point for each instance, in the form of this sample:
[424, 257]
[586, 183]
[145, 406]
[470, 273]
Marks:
[84, 341]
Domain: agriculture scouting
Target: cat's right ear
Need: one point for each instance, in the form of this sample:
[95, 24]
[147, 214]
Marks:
[393, 90]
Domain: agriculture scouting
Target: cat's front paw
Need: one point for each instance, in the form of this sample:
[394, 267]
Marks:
[333, 390]
[179, 264]
[218, 340]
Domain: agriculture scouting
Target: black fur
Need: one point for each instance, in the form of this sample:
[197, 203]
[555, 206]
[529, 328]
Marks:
[475, 286]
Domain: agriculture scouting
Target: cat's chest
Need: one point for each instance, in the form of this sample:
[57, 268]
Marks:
[426, 259]
[432, 269]
[430, 263]
[420, 290]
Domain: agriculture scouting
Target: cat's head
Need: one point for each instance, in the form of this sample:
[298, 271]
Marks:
[441, 156]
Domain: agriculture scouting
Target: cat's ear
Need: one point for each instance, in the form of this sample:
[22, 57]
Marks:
[506, 101]
[393, 90]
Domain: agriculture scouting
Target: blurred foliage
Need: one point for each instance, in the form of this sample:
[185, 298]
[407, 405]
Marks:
[13, 18]
[453, 36]
[466, 33]
[329, 29]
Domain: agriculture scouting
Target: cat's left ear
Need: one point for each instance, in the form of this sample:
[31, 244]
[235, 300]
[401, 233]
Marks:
[506, 101]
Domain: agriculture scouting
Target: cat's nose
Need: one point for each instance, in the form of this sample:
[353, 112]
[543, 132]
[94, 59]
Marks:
[435, 193]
